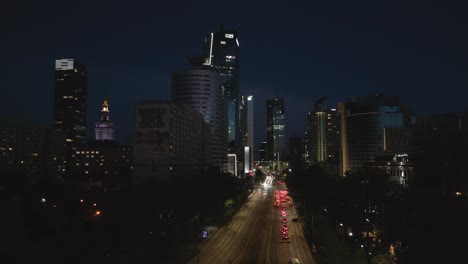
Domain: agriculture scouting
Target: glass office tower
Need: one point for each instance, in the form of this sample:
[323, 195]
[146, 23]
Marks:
[222, 53]
[276, 130]
[201, 88]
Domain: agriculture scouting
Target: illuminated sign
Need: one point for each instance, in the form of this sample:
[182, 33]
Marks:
[229, 35]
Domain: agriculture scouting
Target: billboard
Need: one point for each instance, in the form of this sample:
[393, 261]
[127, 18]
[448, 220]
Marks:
[151, 154]
[152, 126]
[152, 117]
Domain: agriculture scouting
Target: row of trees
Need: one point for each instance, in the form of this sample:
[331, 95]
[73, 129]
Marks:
[423, 222]
[356, 205]
[147, 223]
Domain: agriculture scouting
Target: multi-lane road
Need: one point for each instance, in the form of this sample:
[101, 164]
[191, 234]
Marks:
[254, 235]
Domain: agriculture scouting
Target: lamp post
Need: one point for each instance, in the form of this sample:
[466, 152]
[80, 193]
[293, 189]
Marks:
[197, 217]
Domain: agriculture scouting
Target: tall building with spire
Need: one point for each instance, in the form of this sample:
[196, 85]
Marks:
[70, 101]
[104, 128]
[222, 53]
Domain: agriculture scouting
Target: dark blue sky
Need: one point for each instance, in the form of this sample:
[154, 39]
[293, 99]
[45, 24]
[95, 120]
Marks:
[302, 50]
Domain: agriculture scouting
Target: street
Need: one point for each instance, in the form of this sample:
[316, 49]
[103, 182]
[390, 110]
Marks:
[254, 235]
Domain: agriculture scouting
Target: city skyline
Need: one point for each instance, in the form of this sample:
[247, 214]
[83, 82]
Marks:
[316, 50]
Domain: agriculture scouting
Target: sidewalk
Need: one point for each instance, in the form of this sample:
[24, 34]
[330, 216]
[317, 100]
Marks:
[186, 251]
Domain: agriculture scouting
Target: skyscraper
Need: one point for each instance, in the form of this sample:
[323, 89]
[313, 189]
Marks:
[276, 130]
[222, 53]
[71, 91]
[262, 152]
[324, 135]
[104, 128]
[246, 123]
[202, 88]
[317, 131]
[250, 131]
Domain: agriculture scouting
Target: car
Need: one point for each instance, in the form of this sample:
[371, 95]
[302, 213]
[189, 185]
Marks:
[284, 220]
[285, 235]
[285, 228]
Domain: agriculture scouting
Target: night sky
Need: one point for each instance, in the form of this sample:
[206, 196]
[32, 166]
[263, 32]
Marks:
[298, 50]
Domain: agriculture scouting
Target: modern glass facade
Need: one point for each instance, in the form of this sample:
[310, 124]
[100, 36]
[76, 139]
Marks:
[367, 117]
[222, 53]
[276, 130]
[202, 89]
[246, 124]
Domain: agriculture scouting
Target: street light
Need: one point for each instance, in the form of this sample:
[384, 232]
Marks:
[197, 217]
